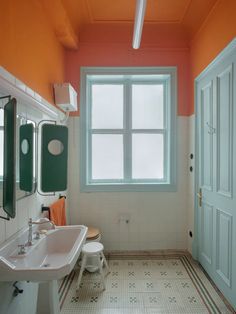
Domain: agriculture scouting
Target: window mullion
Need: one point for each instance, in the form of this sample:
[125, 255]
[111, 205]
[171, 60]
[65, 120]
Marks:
[148, 131]
[89, 131]
[107, 131]
[127, 133]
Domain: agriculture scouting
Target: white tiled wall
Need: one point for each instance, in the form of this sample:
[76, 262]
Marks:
[191, 141]
[25, 208]
[158, 220]
[29, 207]
[24, 303]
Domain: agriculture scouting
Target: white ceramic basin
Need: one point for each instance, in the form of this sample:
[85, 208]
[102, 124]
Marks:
[51, 257]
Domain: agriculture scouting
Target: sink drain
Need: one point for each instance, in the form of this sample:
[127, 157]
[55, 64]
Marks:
[46, 265]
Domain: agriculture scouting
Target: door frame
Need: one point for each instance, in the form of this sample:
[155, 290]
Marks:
[226, 52]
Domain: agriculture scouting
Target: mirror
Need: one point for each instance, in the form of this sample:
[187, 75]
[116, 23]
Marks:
[7, 155]
[55, 147]
[17, 155]
[25, 157]
[54, 155]
[25, 147]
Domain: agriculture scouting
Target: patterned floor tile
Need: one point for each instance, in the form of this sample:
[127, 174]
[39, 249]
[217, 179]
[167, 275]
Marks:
[113, 300]
[132, 285]
[173, 302]
[153, 300]
[142, 286]
[106, 311]
[131, 274]
[133, 300]
[114, 285]
[91, 300]
[183, 285]
[160, 263]
[166, 286]
[174, 263]
[191, 300]
[150, 285]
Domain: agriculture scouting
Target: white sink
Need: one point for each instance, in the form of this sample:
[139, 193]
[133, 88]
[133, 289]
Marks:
[51, 257]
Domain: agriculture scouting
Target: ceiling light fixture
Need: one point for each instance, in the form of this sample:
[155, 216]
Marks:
[138, 22]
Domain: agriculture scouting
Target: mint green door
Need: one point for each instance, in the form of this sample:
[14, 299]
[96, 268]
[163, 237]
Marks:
[216, 145]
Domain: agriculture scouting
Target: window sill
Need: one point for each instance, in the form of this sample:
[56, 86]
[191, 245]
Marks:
[136, 187]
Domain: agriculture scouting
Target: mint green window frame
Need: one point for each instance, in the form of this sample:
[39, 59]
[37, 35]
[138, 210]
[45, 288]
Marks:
[127, 76]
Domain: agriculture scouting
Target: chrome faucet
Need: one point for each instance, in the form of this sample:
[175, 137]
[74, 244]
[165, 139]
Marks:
[30, 224]
[30, 237]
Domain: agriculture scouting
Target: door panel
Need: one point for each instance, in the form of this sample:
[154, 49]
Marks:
[216, 134]
[206, 232]
[224, 133]
[224, 245]
[207, 144]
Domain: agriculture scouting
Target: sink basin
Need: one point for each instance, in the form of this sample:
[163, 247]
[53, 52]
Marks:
[51, 257]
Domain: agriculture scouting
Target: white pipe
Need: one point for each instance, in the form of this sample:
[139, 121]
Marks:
[138, 23]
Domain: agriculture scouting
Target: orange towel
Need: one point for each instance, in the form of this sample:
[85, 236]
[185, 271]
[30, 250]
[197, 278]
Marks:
[58, 212]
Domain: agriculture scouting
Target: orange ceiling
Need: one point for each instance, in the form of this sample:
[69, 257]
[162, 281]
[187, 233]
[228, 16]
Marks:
[123, 10]
[188, 13]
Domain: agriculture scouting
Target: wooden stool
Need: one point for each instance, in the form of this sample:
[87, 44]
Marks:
[93, 249]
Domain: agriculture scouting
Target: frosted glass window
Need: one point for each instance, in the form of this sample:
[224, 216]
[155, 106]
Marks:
[107, 106]
[107, 156]
[147, 106]
[129, 130]
[1, 153]
[147, 156]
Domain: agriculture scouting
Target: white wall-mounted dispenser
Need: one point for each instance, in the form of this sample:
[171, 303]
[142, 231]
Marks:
[65, 97]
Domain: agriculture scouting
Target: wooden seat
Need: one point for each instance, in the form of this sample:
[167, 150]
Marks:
[93, 233]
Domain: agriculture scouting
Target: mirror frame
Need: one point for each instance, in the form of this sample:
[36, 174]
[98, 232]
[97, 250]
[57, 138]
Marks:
[9, 157]
[22, 158]
[53, 170]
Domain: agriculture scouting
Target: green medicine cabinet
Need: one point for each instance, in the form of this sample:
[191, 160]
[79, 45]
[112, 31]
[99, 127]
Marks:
[9, 156]
[54, 155]
[26, 150]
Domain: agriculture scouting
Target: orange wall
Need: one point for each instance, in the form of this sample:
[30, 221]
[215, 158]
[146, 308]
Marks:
[29, 48]
[216, 32]
[103, 46]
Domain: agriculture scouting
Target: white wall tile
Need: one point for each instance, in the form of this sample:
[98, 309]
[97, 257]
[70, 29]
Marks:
[191, 180]
[2, 227]
[20, 85]
[7, 75]
[25, 208]
[161, 215]
[29, 91]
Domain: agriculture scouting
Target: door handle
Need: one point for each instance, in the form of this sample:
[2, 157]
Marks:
[199, 195]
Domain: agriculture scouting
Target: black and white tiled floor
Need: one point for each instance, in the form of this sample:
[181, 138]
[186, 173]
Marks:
[146, 285]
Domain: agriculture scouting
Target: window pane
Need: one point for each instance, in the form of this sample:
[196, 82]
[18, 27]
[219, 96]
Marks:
[147, 156]
[107, 106]
[147, 106]
[107, 156]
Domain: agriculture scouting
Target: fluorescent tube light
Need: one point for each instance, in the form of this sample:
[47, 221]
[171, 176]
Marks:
[138, 23]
